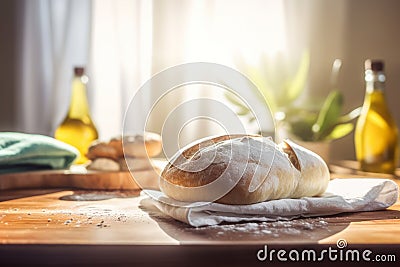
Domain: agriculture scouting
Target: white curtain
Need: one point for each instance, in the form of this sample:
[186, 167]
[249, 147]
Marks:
[55, 37]
[124, 42]
[120, 59]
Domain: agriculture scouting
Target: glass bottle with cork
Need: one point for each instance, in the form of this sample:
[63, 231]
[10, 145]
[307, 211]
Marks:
[78, 129]
[376, 134]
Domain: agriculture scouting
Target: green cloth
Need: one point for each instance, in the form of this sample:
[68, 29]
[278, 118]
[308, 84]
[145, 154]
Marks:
[23, 152]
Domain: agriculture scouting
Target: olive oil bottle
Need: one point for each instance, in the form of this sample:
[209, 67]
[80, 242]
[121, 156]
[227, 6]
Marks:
[376, 134]
[78, 129]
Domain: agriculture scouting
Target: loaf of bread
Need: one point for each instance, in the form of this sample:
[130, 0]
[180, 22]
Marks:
[243, 169]
[134, 150]
[102, 150]
[103, 164]
[139, 146]
[142, 146]
[135, 164]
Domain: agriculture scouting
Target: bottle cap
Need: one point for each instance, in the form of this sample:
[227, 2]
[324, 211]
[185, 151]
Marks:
[374, 65]
[79, 71]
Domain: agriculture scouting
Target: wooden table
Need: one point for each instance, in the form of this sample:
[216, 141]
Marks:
[102, 227]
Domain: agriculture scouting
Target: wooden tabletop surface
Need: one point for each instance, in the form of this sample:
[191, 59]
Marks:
[59, 216]
[53, 217]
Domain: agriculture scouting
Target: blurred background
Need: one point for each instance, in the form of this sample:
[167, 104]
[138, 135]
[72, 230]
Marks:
[123, 43]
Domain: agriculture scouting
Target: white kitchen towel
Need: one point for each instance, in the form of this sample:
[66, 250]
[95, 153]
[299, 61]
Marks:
[342, 195]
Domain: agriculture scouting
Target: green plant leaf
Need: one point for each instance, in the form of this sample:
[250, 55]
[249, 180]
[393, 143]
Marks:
[235, 100]
[260, 81]
[328, 116]
[350, 116]
[340, 131]
[296, 86]
[252, 118]
[243, 111]
[301, 128]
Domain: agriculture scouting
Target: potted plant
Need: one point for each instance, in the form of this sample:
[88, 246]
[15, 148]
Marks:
[314, 127]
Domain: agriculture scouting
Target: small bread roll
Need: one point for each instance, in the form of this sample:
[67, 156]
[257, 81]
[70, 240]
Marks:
[116, 143]
[243, 169]
[103, 164]
[142, 146]
[101, 150]
[135, 164]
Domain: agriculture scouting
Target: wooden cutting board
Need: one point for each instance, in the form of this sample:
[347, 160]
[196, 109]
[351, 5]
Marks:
[79, 177]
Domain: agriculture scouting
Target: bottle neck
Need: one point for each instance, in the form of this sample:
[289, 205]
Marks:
[79, 107]
[375, 81]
